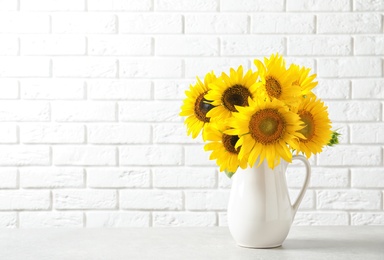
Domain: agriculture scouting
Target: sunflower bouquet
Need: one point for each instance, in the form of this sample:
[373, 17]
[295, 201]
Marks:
[264, 114]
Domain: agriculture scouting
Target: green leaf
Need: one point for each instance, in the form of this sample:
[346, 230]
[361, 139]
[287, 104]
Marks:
[334, 138]
[229, 174]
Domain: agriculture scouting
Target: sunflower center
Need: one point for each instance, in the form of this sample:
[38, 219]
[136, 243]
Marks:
[267, 126]
[273, 87]
[236, 95]
[229, 142]
[202, 107]
[309, 130]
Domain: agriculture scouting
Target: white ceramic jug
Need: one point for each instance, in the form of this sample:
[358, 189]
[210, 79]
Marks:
[260, 212]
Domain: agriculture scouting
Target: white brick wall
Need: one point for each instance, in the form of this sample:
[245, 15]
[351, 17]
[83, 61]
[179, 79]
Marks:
[90, 92]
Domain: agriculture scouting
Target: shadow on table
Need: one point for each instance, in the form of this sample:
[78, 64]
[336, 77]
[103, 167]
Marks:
[359, 245]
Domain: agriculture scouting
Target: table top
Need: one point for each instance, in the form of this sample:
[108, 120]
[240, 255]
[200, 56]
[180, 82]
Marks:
[347, 242]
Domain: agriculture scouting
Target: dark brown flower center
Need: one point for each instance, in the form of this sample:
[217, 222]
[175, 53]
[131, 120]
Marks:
[273, 87]
[229, 142]
[309, 130]
[267, 126]
[202, 107]
[236, 95]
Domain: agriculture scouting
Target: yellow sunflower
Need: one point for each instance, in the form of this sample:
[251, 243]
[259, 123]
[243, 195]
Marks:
[266, 129]
[230, 91]
[195, 107]
[223, 148]
[317, 127]
[304, 81]
[276, 80]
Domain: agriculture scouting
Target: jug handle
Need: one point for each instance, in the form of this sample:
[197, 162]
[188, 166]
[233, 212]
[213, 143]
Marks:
[296, 205]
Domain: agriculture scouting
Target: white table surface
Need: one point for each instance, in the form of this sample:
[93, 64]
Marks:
[188, 243]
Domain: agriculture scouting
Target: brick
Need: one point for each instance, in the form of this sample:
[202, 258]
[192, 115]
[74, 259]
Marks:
[120, 45]
[52, 133]
[25, 200]
[302, 61]
[206, 200]
[184, 177]
[119, 134]
[8, 177]
[341, 155]
[105, 89]
[172, 134]
[24, 111]
[84, 155]
[119, 5]
[8, 5]
[15, 22]
[8, 219]
[151, 68]
[9, 45]
[344, 111]
[370, 5]
[90, 67]
[51, 177]
[52, 45]
[150, 155]
[367, 133]
[349, 199]
[150, 23]
[196, 156]
[171, 89]
[84, 199]
[245, 45]
[251, 5]
[22, 155]
[320, 177]
[308, 201]
[55, 219]
[201, 66]
[151, 199]
[368, 89]
[49, 5]
[321, 219]
[8, 134]
[9, 89]
[52, 89]
[84, 23]
[351, 67]
[343, 130]
[78, 111]
[369, 45]
[184, 219]
[186, 5]
[224, 181]
[318, 5]
[333, 89]
[186, 46]
[367, 218]
[110, 219]
[368, 178]
[150, 111]
[118, 177]
[283, 23]
[221, 23]
[349, 23]
[23, 67]
[223, 219]
[315, 45]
